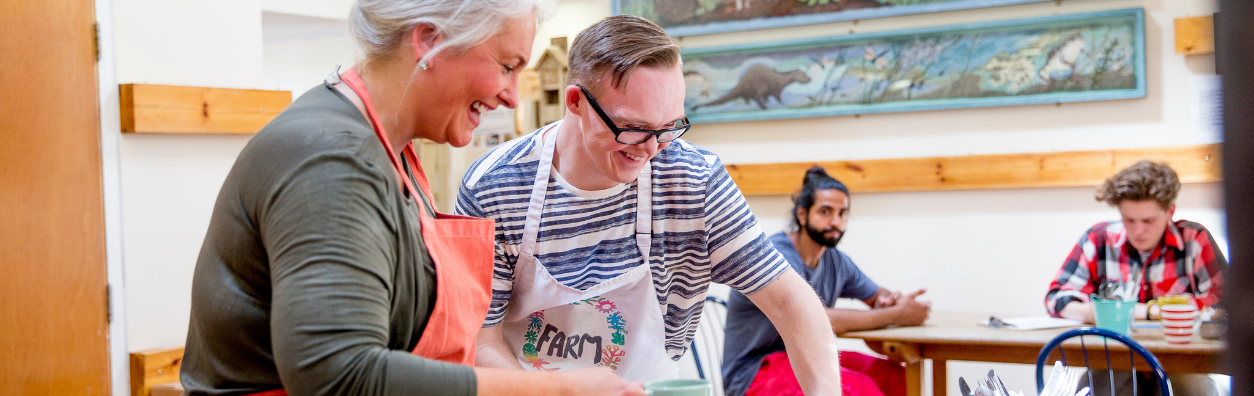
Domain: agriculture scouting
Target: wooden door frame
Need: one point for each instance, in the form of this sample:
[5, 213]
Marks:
[110, 156]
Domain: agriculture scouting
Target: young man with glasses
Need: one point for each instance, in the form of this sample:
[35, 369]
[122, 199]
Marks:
[609, 229]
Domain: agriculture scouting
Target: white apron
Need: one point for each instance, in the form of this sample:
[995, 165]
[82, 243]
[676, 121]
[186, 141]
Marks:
[617, 323]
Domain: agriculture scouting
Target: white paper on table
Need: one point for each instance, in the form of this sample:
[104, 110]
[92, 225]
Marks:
[1036, 322]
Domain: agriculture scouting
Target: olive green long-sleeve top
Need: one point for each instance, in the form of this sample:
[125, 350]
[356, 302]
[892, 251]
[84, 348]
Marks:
[313, 276]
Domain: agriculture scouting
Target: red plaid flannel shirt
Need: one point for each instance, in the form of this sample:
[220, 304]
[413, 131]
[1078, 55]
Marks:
[1185, 261]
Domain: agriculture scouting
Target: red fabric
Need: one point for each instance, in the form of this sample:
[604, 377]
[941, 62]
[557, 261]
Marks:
[890, 376]
[860, 375]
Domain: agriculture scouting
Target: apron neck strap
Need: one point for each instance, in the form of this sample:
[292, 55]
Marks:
[540, 188]
[535, 207]
[353, 80]
[644, 211]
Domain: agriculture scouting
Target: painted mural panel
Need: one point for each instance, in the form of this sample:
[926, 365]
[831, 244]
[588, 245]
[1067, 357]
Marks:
[1069, 58]
[689, 17]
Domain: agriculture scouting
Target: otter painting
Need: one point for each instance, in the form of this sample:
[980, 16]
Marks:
[759, 84]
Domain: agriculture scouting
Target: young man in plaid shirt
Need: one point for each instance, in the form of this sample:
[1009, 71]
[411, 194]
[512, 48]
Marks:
[1173, 258]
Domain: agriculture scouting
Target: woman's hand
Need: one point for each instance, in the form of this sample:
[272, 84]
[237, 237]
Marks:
[597, 381]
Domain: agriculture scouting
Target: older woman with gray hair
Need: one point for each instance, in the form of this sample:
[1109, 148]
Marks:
[326, 270]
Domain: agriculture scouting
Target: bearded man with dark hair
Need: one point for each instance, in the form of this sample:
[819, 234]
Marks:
[754, 358]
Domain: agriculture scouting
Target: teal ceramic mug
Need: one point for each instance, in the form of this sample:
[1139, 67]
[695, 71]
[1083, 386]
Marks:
[1114, 315]
[679, 387]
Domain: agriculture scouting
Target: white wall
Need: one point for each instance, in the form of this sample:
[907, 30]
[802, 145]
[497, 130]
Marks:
[185, 42]
[986, 251]
[169, 183]
[329, 9]
[299, 51]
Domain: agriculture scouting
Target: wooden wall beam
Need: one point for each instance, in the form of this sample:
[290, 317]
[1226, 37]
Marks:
[1194, 164]
[153, 367]
[1195, 36]
[175, 109]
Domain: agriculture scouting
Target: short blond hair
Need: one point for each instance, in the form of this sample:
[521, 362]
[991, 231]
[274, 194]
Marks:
[616, 46]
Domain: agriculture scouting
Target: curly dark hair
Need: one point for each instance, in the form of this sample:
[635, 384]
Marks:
[1143, 180]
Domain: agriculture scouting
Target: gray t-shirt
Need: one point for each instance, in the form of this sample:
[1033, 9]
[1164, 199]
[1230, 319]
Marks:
[313, 276]
[750, 335]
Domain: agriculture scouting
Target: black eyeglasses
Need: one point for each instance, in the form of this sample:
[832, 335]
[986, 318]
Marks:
[637, 136]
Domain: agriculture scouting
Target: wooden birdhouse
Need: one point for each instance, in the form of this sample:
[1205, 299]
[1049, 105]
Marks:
[552, 68]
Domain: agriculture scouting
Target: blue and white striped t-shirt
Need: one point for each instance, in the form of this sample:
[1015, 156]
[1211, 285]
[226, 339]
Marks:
[702, 228]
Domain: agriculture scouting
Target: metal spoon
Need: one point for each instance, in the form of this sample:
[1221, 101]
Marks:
[985, 391]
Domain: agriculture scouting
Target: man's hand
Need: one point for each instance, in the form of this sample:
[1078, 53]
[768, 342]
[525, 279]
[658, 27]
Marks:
[886, 299]
[1078, 311]
[597, 381]
[911, 311]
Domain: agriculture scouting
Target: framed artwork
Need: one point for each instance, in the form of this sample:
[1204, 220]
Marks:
[1056, 59]
[692, 17]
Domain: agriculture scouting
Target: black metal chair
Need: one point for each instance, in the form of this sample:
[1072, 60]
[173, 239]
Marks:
[707, 345]
[1134, 348]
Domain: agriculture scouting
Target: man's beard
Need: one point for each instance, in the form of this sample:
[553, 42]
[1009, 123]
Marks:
[819, 237]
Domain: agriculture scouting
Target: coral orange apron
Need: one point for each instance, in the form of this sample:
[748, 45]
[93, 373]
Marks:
[461, 248]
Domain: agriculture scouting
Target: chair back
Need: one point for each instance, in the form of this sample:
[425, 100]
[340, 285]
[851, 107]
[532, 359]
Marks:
[707, 345]
[1153, 365]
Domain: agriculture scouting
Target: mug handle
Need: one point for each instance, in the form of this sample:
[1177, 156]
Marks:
[1151, 303]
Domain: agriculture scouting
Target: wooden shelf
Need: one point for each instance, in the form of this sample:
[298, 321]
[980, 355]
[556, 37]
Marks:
[1195, 36]
[154, 366]
[1194, 164]
[174, 109]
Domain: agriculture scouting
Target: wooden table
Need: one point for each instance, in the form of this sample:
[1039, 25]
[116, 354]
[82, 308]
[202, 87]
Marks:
[956, 336]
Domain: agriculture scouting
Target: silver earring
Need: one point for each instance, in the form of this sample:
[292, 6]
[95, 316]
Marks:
[423, 64]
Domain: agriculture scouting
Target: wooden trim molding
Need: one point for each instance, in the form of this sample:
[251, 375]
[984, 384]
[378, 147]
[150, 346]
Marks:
[1194, 164]
[175, 109]
[154, 367]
